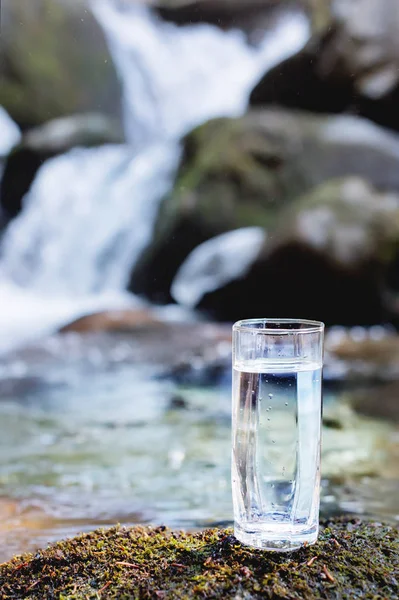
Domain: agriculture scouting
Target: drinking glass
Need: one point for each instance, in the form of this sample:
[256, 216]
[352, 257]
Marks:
[277, 406]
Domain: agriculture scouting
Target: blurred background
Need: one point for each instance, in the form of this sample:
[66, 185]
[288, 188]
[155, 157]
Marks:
[167, 168]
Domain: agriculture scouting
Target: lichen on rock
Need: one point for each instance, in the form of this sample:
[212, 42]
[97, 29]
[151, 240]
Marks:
[351, 560]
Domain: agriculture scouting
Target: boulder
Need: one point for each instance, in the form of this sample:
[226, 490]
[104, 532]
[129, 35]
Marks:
[115, 320]
[380, 402]
[241, 173]
[47, 141]
[363, 356]
[54, 62]
[351, 560]
[351, 63]
[326, 259]
[245, 14]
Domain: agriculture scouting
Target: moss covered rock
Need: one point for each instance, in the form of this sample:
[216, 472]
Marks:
[54, 61]
[350, 560]
[329, 255]
[243, 172]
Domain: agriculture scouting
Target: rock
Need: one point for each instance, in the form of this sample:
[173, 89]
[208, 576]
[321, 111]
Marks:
[55, 62]
[379, 401]
[300, 82]
[49, 140]
[241, 172]
[334, 246]
[351, 63]
[178, 403]
[116, 320]
[368, 358]
[351, 559]
[245, 14]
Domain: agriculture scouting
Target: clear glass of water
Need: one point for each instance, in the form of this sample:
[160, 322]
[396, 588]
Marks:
[277, 405]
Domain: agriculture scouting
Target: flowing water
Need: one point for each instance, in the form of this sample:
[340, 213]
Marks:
[86, 219]
[10, 134]
[175, 78]
[92, 433]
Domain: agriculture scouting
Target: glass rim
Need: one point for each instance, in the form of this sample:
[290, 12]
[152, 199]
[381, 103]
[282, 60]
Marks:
[304, 326]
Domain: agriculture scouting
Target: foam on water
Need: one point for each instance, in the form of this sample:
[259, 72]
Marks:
[9, 133]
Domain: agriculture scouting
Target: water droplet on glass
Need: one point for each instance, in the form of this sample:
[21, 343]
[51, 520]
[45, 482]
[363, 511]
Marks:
[286, 403]
[269, 408]
[273, 441]
[270, 396]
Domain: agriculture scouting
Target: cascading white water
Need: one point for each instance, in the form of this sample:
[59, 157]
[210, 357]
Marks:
[215, 263]
[175, 78]
[49, 273]
[9, 133]
[9, 137]
[109, 195]
[90, 213]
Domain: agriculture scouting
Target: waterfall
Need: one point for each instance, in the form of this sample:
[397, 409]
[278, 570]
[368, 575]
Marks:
[217, 262]
[10, 134]
[9, 137]
[91, 212]
[175, 78]
[109, 196]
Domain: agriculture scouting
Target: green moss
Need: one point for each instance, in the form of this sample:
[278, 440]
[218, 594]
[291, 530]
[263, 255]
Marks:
[230, 177]
[351, 560]
[54, 61]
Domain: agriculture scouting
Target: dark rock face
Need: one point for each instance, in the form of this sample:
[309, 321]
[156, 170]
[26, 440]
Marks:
[226, 14]
[48, 141]
[326, 259]
[54, 62]
[303, 81]
[242, 172]
[351, 63]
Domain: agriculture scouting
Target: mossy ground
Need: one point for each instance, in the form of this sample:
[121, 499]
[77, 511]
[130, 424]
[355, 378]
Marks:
[351, 560]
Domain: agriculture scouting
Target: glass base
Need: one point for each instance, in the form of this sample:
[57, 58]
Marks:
[275, 538]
